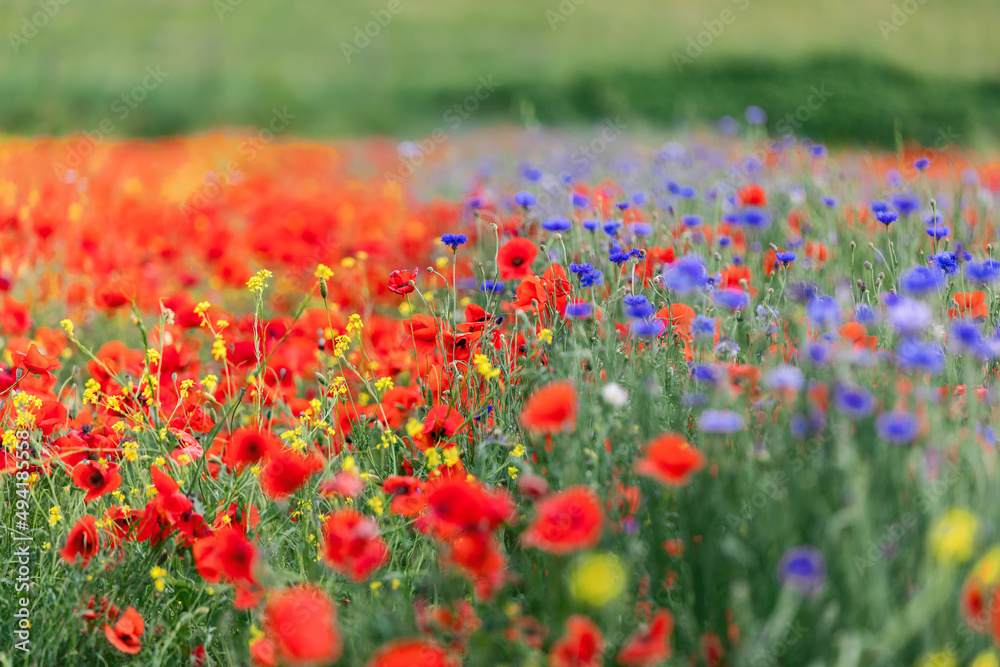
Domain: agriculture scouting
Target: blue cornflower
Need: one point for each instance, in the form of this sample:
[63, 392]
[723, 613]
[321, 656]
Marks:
[641, 311]
[691, 220]
[897, 428]
[921, 280]
[924, 357]
[557, 225]
[580, 269]
[611, 227]
[878, 206]
[855, 402]
[720, 421]
[755, 115]
[728, 125]
[863, 313]
[622, 205]
[524, 198]
[578, 309]
[966, 336]
[829, 202]
[703, 327]
[788, 378]
[686, 275]
[591, 278]
[706, 374]
[818, 353]
[619, 257]
[639, 198]
[643, 328]
[755, 218]
[785, 257]
[724, 241]
[921, 163]
[454, 240]
[803, 569]
[591, 225]
[580, 200]
[984, 272]
[533, 174]
[635, 299]
[886, 217]
[824, 312]
[492, 286]
[687, 192]
[733, 299]
[641, 228]
[819, 150]
[938, 232]
[947, 262]
[909, 317]
[906, 203]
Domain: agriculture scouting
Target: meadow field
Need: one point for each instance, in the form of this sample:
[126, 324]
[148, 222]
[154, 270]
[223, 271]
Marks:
[559, 399]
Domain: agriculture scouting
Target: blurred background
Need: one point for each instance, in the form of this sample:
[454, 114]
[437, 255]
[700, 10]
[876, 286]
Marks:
[858, 71]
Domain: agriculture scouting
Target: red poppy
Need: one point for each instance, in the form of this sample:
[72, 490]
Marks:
[581, 646]
[346, 484]
[441, 422]
[412, 652]
[227, 553]
[514, 259]
[125, 635]
[565, 522]
[248, 445]
[96, 479]
[263, 652]
[460, 504]
[352, 544]
[302, 623]
[286, 471]
[82, 541]
[423, 333]
[670, 459]
[650, 645]
[752, 195]
[407, 499]
[551, 409]
[35, 362]
[401, 282]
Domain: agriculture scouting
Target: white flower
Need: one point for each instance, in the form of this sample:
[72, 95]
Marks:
[614, 395]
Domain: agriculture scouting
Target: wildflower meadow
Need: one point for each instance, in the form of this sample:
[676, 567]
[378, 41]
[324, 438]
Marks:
[706, 398]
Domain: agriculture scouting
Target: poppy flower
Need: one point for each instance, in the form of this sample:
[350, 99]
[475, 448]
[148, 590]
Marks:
[248, 445]
[670, 459]
[33, 361]
[410, 652]
[650, 645]
[83, 541]
[401, 282]
[551, 409]
[514, 259]
[352, 544]
[96, 479]
[124, 636]
[286, 471]
[346, 484]
[407, 499]
[752, 195]
[423, 333]
[581, 646]
[302, 623]
[263, 652]
[468, 505]
[567, 521]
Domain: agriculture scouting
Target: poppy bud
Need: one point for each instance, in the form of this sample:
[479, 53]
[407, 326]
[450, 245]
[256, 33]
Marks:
[322, 288]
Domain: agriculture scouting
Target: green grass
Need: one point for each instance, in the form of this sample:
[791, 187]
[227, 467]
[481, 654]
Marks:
[603, 57]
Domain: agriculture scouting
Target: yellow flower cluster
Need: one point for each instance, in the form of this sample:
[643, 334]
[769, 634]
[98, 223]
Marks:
[258, 281]
[159, 576]
[354, 323]
[323, 272]
[484, 367]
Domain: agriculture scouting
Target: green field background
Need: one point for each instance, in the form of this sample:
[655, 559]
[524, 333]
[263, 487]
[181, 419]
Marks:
[567, 63]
